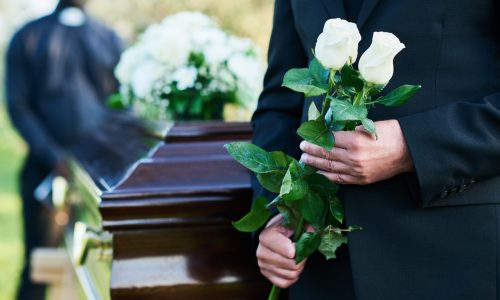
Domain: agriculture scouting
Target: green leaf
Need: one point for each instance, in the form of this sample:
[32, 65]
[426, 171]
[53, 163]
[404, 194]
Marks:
[293, 186]
[343, 110]
[277, 201]
[319, 73]
[271, 181]
[301, 80]
[399, 96]
[337, 209]
[115, 102]
[308, 170]
[321, 185]
[257, 159]
[313, 112]
[316, 132]
[369, 125]
[338, 125]
[350, 77]
[286, 214]
[306, 245]
[257, 216]
[374, 89]
[330, 242]
[312, 208]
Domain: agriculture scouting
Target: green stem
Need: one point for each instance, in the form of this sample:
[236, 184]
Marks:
[275, 293]
[298, 230]
[331, 85]
[358, 100]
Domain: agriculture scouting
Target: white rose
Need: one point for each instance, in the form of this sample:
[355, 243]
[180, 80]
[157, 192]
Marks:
[337, 43]
[376, 64]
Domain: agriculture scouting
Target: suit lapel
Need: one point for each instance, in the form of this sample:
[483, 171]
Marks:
[365, 12]
[335, 8]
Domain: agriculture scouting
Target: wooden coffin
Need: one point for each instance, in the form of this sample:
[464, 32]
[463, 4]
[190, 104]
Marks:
[162, 229]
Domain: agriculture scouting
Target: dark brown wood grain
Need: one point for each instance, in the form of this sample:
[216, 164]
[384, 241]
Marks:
[209, 131]
[171, 220]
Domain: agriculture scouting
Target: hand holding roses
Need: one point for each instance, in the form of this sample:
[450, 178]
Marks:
[358, 158]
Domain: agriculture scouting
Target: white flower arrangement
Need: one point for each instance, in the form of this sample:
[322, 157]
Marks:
[186, 67]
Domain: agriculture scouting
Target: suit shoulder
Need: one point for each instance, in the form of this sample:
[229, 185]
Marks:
[36, 23]
[30, 28]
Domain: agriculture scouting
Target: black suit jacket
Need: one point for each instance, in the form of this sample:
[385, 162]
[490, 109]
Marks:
[435, 233]
[57, 80]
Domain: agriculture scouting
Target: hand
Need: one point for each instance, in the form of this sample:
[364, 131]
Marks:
[359, 158]
[276, 253]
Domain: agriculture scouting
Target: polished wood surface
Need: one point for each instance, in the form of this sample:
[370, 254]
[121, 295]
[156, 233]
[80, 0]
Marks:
[209, 131]
[171, 220]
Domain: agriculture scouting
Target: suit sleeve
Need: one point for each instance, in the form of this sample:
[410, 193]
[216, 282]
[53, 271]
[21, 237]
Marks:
[19, 86]
[279, 110]
[453, 147]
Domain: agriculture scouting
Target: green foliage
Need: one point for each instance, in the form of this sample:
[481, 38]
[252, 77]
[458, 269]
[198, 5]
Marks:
[115, 102]
[300, 80]
[399, 96]
[318, 133]
[306, 245]
[330, 242]
[351, 78]
[271, 181]
[336, 209]
[257, 216]
[344, 110]
[294, 187]
[312, 209]
[319, 73]
[313, 112]
[312, 81]
[257, 159]
[12, 151]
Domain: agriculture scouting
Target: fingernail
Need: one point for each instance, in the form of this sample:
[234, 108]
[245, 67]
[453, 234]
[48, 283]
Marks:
[303, 157]
[302, 145]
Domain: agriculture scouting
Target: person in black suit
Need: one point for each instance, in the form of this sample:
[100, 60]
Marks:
[427, 192]
[59, 72]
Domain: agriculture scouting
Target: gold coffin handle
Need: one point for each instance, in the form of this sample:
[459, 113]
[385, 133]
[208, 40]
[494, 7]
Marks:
[86, 239]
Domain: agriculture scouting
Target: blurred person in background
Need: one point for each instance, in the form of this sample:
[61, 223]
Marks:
[59, 73]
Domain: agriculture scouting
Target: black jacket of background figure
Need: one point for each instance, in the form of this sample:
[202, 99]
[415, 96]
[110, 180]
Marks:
[57, 80]
[433, 234]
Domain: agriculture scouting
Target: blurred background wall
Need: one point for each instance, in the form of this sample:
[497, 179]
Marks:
[250, 18]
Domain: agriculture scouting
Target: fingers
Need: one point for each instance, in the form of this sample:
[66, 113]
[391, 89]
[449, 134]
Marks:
[273, 261]
[281, 278]
[277, 280]
[276, 257]
[343, 139]
[326, 164]
[275, 239]
[342, 178]
[336, 153]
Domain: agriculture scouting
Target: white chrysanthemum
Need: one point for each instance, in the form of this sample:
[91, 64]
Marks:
[249, 72]
[185, 77]
[144, 78]
[170, 47]
[191, 21]
[188, 51]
